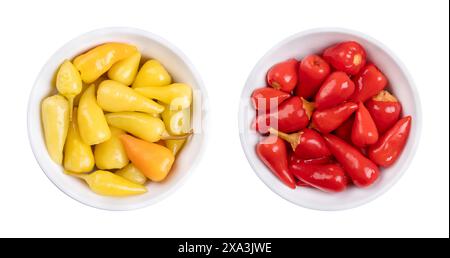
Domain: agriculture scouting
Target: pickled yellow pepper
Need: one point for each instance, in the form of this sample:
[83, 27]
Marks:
[55, 120]
[141, 125]
[91, 120]
[125, 70]
[68, 83]
[152, 73]
[111, 154]
[177, 122]
[131, 173]
[114, 96]
[108, 184]
[177, 95]
[78, 156]
[99, 60]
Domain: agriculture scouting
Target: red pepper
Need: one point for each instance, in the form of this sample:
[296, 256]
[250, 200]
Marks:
[301, 183]
[387, 150]
[368, 83]
[344, 131]
[385, 110]
[364, 131]
[283, 76]
[292, 115]
[328, 177]
[306, 144]
[272, 151]
[313, 70]
[361, 170]
[348, 57]
[268, 98]
[336, 89]
[329, 119]
[318, 161]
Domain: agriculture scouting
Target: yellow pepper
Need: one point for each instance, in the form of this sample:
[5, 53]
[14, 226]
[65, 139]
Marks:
[111, 154]
[114, 96]
[175, 145]
[78, 155]
[99, 60]
[91, 120]
[177, 122]
[153, 160]
[152, 73]
[108, 184]
[55, 120]
[177, 95]
[125, 70]
[141, 125]
[68, 83]
[131, 173]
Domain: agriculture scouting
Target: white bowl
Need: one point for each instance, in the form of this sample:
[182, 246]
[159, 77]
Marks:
[181, 70]
[315, 41]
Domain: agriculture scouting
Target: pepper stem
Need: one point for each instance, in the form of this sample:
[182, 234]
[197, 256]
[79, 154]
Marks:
[385, 96]
[308, 107]
[293, 139]
[167, 136]
[70, 99]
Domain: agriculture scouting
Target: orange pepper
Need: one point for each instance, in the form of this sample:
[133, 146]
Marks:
[153, 160]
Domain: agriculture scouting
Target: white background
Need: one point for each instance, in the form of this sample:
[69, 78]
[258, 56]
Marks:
[224, 39]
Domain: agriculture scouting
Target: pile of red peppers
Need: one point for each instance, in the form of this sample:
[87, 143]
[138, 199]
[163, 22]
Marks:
[328, 121]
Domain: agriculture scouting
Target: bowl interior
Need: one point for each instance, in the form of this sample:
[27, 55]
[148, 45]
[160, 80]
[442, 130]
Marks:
[316, 41]
[150, 46]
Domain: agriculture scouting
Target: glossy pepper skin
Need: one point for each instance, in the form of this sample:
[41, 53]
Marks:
[152, 74]
[344, 131]
[306, 144]
[142, 125]
[312, 71]
[78, 156]
[125, 70]
[389, 147]
[131, 173]
[364, 131]
[108, 184]
[348, 57]
[318, 161]
[368, 83]
[99, 60]
[272, 151]
[68, 83]
[111, 154]
[177, 122]
[55, 121]
[268, 98]
[385, 110]
[176, 95]
[114, 96]
[329, 119]
[336, 89]
[328, 178]
[91, 120]
[153, 160]
[283, 76]
[362, 171]
[292, 115]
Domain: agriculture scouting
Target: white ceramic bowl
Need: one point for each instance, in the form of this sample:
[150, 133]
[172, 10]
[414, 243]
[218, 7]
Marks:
[315, 41]
[181, 70]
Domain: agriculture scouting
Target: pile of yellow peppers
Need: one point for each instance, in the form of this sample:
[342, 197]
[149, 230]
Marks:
[113, 124]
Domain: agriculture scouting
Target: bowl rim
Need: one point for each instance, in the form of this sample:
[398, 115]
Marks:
[203, 110]
[417, 118]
